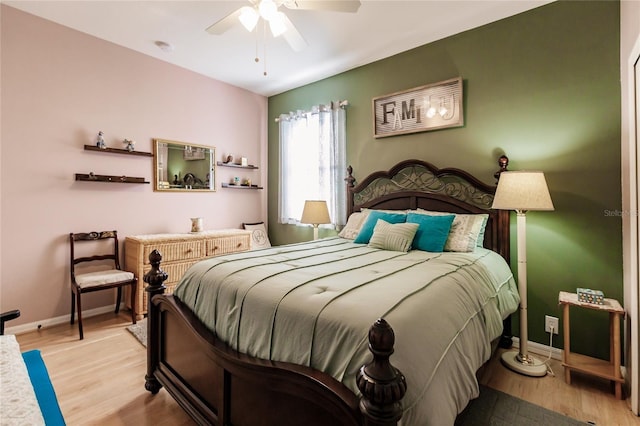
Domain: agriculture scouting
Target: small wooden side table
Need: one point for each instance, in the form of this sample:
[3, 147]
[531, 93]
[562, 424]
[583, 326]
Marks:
[597, 367]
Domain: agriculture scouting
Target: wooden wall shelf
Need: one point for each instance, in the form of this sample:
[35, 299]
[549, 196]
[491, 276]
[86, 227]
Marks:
[106, 178]
[239, 166]
[118, 151]
[226, 185]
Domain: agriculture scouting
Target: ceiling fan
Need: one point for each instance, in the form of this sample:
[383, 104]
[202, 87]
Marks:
[279, 23]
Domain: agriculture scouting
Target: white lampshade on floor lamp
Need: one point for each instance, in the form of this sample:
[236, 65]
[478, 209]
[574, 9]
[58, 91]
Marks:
[315, 212]
[522, 191]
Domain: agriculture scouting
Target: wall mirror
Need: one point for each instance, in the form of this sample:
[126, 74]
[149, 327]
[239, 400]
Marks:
[182, 166]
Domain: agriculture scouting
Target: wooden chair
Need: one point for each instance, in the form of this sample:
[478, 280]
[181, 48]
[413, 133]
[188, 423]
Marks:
[101, 279]
[7, 316]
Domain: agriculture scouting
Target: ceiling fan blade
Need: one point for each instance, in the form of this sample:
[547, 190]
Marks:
[350, 6]
[292, 36]
[225, 23]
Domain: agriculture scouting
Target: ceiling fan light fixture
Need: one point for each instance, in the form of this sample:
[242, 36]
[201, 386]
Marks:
[277, 24]
[248, 18]
[268, 9]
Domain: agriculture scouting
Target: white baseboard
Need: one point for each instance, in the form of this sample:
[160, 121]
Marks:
[540, 349]
[64, 319]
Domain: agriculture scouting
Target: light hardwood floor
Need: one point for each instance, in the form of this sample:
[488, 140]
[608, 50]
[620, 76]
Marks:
[100, 380]
[587, 398]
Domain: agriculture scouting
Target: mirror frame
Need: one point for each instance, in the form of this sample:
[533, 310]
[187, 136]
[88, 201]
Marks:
[209, 152]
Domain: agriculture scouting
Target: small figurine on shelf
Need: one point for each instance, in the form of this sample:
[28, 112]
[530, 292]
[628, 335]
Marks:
[129, 144]
[100, 141]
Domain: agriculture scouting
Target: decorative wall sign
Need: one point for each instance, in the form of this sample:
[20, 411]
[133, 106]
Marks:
[430, 107]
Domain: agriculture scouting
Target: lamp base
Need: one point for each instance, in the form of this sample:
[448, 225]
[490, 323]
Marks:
[527, 365]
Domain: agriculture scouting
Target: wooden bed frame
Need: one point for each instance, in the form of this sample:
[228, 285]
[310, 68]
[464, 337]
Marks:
[218, 385]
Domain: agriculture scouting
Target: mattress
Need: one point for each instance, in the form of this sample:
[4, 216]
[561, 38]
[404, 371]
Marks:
[313, 303]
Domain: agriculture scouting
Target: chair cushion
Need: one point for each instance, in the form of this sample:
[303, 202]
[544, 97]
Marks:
[110, 276]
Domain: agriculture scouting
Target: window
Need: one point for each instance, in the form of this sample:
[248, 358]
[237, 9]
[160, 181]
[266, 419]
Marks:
[313, 161]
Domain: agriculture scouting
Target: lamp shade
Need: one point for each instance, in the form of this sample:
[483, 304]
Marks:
[315, 212]
[522, 190]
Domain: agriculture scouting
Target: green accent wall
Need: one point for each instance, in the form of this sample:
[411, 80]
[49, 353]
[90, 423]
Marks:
[542, 87]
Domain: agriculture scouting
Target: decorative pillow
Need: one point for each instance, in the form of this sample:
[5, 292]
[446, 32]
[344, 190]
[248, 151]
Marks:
[259, 236]
[483, 227]
[433, 231]
[354, 223]
[467, 230]
[395, 237]
[366, 231]
[465, 235]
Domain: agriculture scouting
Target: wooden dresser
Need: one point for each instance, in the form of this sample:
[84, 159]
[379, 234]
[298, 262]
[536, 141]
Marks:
[179, 252]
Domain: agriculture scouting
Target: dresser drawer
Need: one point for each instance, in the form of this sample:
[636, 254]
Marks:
[183, 250]
[174, 271]
[227, 244]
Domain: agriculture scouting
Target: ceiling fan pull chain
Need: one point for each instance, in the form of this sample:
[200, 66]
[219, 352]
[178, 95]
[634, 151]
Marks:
[257, 59]
[264, 47]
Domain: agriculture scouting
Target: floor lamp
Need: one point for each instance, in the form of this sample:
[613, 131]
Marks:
[522, 191]
[315, 212]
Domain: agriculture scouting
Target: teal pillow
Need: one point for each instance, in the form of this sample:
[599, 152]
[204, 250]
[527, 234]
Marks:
[432, 231]
[367, 229]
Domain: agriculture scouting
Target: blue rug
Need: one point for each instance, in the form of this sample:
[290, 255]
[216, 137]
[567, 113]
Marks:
[43, 388]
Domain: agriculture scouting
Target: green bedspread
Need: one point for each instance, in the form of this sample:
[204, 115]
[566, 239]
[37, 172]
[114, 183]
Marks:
[313, 303]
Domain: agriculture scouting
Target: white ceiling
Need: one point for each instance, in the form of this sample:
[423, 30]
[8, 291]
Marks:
[336, 41]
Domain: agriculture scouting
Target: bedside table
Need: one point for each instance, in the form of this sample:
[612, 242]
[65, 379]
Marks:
[571, 361]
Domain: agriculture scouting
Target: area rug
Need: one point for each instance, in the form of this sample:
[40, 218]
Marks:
[497, 408]
[492, 407]
[139, 330]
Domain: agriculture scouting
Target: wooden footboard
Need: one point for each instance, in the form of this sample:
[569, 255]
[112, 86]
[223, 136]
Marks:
[220, 386]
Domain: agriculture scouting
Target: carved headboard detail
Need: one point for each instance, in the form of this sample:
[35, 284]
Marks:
[413, 184]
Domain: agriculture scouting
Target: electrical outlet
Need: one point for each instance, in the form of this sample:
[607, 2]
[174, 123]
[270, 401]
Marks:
[550, 322]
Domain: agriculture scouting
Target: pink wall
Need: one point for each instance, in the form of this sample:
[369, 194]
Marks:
[59, 88]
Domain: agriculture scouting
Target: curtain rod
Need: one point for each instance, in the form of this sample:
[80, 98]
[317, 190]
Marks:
[299, 113]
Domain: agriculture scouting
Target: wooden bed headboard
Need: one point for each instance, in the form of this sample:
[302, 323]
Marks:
[413, 184]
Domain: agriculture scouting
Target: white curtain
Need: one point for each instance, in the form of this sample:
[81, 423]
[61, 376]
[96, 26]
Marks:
[313, 161]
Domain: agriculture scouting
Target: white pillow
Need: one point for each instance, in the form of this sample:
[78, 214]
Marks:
[259, 236]
[354, 223]
[466, 230]
[393, 236]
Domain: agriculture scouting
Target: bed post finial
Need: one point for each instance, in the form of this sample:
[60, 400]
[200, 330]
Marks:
[381, 384]
[351, 181]
[155, 278]
[503, 162]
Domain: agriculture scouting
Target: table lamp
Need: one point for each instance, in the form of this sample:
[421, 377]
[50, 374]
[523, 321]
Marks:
[522, 191]
[315, 212]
